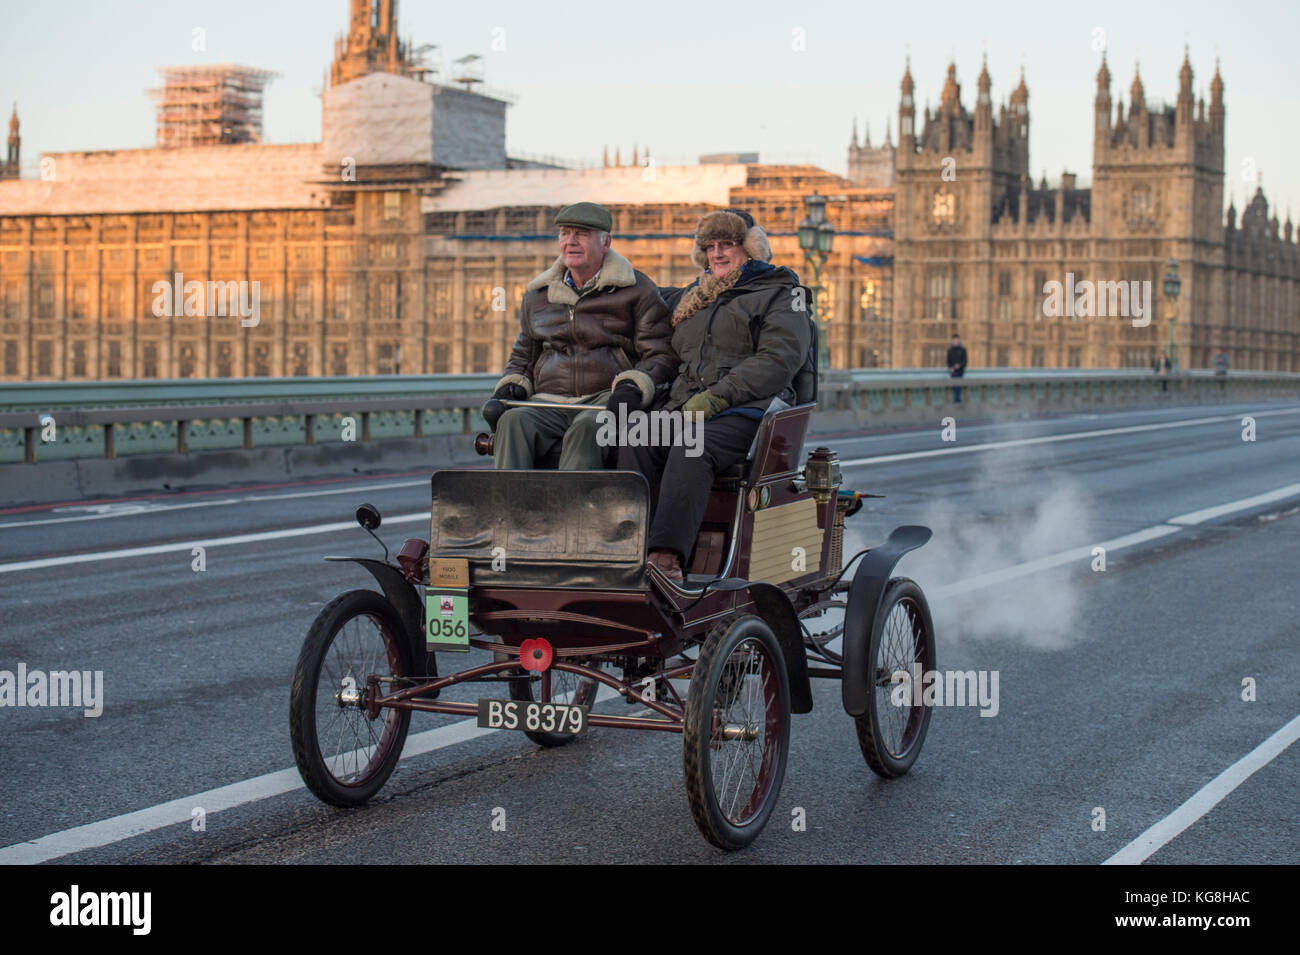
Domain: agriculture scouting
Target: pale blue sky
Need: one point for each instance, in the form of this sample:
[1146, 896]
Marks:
[685, 77]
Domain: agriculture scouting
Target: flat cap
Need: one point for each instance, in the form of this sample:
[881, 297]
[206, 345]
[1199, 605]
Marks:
[586, 215]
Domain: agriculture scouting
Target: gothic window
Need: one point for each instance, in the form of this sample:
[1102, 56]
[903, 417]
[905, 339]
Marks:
[940, 294]
[112, 300]
[45, 300]
[388, 360]
[480, 301]
[339, 360]
[302, 301]
[78, 359]
[12, 298]
[262, 360]
[113, 364]
[1003, 356]
[392, 205]
[870, 298]
[80, 300]
[301, 359]
[1037, 357]
[944, 209]
[341, 293]
[225, 359]
[1142, 210]
[480, 358]
[149, 360]
[186, 362]
[44, 359]
[387, 299]
[1075, 357]
[441, 359]
[11, 359]
[1004, 283]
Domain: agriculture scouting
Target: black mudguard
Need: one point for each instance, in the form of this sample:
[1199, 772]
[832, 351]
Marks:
[403, 597]
[868, 587]
[776, 610]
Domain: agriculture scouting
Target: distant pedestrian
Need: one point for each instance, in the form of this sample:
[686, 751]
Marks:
[1163, 369]
[1220, 363]
[956, 362]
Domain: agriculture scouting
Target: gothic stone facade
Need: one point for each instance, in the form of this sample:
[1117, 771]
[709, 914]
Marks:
[976, 243]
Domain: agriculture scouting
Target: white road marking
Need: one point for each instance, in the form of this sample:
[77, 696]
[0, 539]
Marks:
[1209, 513]
[136, 823]
[131, 824]
[1052, 438]
[134, 508]
[1052, 560]
[189, 545]
[1209, 796]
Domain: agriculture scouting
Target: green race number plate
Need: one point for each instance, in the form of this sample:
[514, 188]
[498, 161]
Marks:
[446, 620]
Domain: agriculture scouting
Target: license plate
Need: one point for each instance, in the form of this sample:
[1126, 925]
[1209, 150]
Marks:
[530, 715]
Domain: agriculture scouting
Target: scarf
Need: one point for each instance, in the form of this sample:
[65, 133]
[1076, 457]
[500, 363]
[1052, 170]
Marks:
[703, 292]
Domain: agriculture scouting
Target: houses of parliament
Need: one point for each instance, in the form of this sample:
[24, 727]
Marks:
[401, 243]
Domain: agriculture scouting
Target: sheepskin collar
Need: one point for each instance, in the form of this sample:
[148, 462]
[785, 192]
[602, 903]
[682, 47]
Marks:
[615, 272]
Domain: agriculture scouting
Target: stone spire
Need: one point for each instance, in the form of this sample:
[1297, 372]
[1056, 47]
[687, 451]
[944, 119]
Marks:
[371, 45]
[1136, 95]
[950, 100]
[15, 144]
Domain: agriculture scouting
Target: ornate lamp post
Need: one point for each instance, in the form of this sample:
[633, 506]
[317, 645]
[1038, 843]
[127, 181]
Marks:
[1172, 284]
[816, 235]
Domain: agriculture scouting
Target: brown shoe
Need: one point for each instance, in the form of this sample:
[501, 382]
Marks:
[667, 564]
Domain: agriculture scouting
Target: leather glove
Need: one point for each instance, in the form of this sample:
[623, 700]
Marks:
[625, 393]
[707, 402]
[511, 392]
[493, 409]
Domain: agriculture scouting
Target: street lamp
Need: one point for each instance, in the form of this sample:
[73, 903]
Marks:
[816, 236]
[1172, 284]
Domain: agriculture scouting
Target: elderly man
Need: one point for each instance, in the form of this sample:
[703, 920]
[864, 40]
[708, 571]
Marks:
[594, 331]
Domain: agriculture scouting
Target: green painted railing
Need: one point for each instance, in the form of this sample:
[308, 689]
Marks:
[52, 420]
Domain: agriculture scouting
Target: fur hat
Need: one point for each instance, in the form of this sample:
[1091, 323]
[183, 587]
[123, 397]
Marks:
[734, 225]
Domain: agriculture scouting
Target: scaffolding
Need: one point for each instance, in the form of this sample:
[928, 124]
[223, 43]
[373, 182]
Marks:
[210, 105]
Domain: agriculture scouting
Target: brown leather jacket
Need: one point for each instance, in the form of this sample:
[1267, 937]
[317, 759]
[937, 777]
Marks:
[580, 343]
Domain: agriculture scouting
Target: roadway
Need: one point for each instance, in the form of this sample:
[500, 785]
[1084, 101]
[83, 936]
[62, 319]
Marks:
[1120, 689]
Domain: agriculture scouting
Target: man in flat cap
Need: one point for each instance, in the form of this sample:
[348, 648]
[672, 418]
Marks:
[593, 330]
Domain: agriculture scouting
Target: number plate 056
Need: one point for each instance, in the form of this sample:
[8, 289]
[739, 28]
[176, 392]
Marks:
[539, 717]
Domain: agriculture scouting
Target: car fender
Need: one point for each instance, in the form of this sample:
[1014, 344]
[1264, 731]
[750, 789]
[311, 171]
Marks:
[869, 582]
[402, 595]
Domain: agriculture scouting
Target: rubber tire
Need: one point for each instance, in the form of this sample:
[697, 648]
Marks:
[302, 698]
[584, 695]
[718, 646]
[879, 757]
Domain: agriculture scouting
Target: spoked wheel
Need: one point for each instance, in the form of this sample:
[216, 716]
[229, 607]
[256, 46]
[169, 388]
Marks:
[343, 755]
[902, 639]
[737, 732]
[565, 688]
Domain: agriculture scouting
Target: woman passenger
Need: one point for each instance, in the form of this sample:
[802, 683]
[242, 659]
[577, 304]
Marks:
[741, 330]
